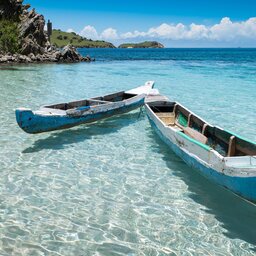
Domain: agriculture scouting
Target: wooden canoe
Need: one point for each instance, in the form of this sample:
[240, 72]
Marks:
[66, 115]
[222, 156]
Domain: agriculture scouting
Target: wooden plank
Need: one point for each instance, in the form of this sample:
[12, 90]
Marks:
[155, 98]
[204, 128]
[165, 114]
[195, 135]
[167, 117]
[232, 146]
[189, 119]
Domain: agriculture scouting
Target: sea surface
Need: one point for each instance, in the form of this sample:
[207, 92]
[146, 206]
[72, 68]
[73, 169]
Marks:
[113, 187]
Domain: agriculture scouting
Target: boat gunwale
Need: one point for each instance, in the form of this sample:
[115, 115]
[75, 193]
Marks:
[206, 147]
[93, 107]
[148, 84]
[221, 166]
[90, 99]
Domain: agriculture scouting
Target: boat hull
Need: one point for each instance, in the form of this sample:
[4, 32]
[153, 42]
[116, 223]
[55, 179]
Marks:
[35, 123]
[241, 185]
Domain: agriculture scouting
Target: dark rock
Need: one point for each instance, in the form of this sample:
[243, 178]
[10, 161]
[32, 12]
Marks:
[10, 58]
[3, 59]
[70, 54]
[32, 57]
[26, 6]
[33, 28]
[88, 58]
[57, 55]
[24, 59]
[38, 57]
[29, 47]
[10, 9]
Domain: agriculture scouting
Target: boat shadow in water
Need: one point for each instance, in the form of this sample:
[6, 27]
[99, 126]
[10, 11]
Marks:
[58, 139]
[236, 215]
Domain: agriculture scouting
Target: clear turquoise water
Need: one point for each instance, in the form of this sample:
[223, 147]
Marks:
[113, 188]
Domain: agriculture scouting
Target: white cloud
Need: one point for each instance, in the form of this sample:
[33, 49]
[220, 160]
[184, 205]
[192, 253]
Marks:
[224, 31]
[197, 32]
[227, 30]
[89, 32]
[109, 34]
[168, 31]
[70, 30]
[134, 34]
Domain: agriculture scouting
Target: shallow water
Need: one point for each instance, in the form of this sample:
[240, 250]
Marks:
[113, 188]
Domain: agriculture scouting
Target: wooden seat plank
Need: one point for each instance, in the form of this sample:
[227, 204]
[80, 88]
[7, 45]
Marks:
[195, 135]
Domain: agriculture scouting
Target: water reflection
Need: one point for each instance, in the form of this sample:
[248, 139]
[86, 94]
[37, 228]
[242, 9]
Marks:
[236, 215]
[58, 140]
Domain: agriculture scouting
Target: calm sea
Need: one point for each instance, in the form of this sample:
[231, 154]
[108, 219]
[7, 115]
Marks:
[113, 187]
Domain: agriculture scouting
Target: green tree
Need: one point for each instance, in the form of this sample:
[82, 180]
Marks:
[59, 37]
[9, 36]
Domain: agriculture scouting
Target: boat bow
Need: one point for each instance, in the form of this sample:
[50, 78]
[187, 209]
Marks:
[144, 89]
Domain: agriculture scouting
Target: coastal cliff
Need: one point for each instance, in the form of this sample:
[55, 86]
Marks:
[146, 44]
[23, 39]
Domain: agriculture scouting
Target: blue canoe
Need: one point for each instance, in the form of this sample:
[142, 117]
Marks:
[66, 115]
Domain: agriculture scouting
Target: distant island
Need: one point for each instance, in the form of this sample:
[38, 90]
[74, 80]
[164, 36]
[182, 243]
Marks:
[60, 39]
[146, 44]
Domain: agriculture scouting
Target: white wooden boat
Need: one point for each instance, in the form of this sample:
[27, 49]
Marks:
[66, 115]
[220, 155]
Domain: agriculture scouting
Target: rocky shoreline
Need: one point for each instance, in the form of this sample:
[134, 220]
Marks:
[67, 55]
[34, 44]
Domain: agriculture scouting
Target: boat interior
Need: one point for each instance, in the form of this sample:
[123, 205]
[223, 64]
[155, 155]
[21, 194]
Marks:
[225, 143]
[115, 97]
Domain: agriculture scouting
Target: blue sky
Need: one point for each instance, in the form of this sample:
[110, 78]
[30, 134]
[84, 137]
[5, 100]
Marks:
[177, 23]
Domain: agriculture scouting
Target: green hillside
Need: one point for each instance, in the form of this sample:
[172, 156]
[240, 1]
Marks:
[61, 39]
[146, 44]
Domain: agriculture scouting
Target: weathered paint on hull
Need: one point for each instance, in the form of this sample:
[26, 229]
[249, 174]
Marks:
[37, 123]
[242, 186]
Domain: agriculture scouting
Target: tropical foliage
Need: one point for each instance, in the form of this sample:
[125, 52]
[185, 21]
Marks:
[9, 36]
